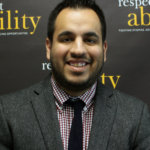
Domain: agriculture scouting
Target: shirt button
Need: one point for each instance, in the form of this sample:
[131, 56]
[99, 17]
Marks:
[85, 108]
[61, 108]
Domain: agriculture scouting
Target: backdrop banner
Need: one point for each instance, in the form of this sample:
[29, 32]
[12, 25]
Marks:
[23, 30]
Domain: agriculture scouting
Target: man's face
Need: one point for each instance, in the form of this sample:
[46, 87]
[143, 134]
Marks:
[76, 52]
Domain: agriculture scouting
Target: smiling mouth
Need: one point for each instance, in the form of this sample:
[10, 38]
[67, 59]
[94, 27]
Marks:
[77, 64]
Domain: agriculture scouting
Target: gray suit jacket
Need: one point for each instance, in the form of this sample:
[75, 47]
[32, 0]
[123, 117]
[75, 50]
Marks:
[28, 121]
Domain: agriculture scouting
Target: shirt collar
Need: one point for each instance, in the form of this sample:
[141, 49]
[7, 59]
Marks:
[61, 96]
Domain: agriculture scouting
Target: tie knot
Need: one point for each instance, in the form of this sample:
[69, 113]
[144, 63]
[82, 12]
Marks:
[77, 104]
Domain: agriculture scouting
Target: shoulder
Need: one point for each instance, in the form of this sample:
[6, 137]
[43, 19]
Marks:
[22, 97]
[129, 106]
[128, 102]
[122, 97]
[125, 103]
[118, 96]
[129, 111]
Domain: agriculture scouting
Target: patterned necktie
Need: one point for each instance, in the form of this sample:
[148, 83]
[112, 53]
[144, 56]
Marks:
[76, 133]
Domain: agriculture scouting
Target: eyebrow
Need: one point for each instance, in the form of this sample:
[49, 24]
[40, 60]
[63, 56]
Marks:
[91, 34]
[65, 33]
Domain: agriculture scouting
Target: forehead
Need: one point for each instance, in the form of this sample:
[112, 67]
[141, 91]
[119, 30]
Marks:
[78, 20]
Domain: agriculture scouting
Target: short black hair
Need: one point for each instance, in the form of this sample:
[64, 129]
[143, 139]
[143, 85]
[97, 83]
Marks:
[91, 4]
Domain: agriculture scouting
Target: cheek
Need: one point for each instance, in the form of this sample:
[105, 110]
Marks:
[96, 53]
[59, 51]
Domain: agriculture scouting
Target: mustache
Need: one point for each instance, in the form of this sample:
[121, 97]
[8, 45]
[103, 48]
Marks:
[77, 57]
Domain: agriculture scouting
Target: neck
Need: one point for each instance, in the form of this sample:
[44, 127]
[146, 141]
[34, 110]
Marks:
[71, 92]
[74, 93]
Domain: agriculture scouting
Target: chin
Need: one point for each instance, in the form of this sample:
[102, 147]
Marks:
[77, 80]
[78, 84]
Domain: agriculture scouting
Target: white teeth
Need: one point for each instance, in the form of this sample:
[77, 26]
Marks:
[81, 64]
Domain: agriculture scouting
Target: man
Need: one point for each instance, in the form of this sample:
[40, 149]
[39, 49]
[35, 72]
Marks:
[46, 117]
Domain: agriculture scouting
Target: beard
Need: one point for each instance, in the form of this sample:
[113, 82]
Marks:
[68, 85]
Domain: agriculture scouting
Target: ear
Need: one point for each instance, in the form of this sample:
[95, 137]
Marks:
[48, 48]
[105, 46]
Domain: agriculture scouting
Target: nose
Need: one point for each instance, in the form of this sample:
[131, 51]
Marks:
[78, 48]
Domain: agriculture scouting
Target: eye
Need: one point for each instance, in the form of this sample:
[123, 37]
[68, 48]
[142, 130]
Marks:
[65, 39]
[90, 41]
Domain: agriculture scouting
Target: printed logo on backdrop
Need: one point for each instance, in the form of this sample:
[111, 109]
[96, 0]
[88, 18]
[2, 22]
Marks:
[137, 18]
[15, 22]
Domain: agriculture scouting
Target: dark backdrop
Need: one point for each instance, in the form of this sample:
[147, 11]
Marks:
[22, 51]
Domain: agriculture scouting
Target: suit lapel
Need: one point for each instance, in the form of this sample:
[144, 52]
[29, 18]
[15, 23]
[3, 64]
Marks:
[45, 111]
[104, 114]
